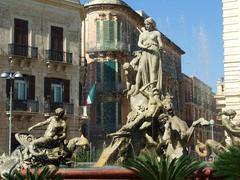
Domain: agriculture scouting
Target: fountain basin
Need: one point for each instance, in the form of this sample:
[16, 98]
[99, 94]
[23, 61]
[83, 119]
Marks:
[97, 173]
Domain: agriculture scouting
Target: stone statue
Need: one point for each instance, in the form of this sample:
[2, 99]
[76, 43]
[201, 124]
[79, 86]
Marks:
[232, 131]
[150, 67]
[54, 134]
[52, 148]
[151, 124]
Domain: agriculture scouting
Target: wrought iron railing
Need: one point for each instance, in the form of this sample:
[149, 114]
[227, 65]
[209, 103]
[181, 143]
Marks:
[23, 105]
[49, 107]
[22, 50]
[108, 46]
[59, 56]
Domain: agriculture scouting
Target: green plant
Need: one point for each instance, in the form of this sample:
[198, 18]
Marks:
[43, 175]
[153, 167]
[227, 164]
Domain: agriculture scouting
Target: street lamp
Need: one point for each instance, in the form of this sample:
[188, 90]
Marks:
[11, 76]
[211, 123]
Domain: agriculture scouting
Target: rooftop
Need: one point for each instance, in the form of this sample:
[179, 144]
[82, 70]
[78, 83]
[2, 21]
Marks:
[117, 2]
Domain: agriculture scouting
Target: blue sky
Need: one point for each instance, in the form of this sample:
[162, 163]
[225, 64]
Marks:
[196, 27]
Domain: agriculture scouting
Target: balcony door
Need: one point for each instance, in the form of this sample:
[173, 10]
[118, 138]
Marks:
[57, 93]
[20, 46]
[20, 90]
[56, 43]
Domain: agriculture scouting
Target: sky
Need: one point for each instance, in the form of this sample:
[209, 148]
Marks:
[196, 27]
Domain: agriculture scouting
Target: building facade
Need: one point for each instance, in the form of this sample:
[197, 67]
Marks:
[45, 47]
[231, 22]
[199, 102]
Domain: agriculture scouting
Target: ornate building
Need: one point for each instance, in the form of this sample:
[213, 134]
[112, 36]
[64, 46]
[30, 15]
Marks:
[39, 41]
[111, 34]
[199, 102]
[229, 98]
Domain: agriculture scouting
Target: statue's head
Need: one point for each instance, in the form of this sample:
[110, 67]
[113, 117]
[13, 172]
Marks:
[149, 23]
[59, 112]
[126, 66]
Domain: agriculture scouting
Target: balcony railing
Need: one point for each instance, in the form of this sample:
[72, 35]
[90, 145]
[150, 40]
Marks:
[22, 50]
[108, 46]
[23, 105]
[59, 56]
[109, 87]
[49, 107]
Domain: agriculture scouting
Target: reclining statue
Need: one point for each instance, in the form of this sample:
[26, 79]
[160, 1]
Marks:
[233, 133]
[53, 147]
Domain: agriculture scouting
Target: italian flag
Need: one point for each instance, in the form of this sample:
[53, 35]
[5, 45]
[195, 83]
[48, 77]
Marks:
[91, 94]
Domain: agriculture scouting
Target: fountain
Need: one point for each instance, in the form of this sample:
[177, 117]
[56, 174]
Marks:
[152, 125]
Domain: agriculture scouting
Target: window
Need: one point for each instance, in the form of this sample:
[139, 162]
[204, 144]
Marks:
[119, 72]
[20, 90]
[109, 33]
[56, 90]
[56, 43]
[20, 46]
[20, 32]
[109, 71]
[57, 93]
[56, 38]
[98, 71]
[109, 119]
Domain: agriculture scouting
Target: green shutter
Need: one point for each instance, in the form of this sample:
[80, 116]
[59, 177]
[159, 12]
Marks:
[98, 38]
[109, 116]
[119, 31]
[111, 32]
[106, 34]
[119, 72]
[98, 71]
[109, 71]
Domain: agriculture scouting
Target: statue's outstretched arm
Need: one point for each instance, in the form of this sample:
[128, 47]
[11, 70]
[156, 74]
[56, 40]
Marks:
[40, 124]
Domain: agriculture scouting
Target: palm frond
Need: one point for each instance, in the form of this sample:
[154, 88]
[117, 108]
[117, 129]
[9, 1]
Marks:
[150, 166]
[227, 164]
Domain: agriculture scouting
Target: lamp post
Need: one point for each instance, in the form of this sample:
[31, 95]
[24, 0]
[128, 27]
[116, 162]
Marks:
[11, 76]
[211, 123]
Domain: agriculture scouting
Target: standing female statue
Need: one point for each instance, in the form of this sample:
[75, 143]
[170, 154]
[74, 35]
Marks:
[150, 66]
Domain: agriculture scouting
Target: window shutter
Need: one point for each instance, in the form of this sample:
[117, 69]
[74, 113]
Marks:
[47, 88]
[98, 35]
[98, 71]
[57, 38]
[110, 71]
[31, 88]
[119, 31]
[66, 91]
[109, 118]
[119, 72]
[106, 34]
[111, 33]
[21, 32]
